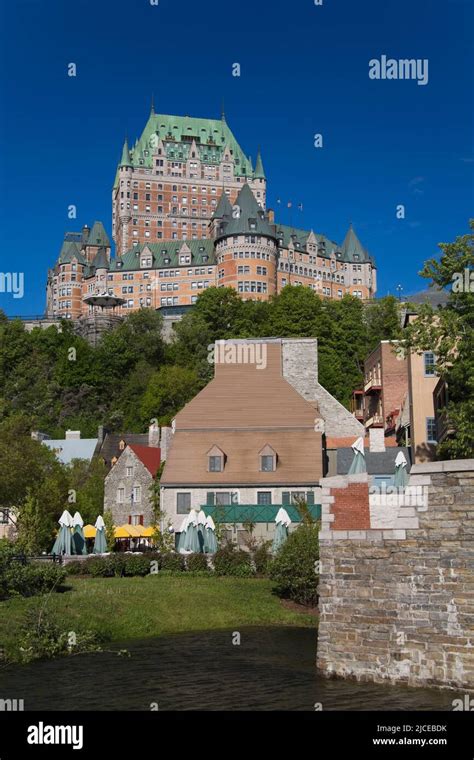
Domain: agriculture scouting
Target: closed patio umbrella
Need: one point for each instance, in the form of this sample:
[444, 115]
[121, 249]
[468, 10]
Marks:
[100, 543]
[358, 463]
[210, 540]
[201, 529]
[78, 542]
[182, 534]
[62, 545]
[191, 542]
[401, 475]
[282, 522]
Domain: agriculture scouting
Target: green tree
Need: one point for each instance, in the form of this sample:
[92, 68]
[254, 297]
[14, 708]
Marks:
[168, 391]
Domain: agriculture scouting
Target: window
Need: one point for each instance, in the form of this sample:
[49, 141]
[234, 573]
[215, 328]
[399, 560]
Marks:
[4, 516]
[290, 497]
[120, 495]
[264, 497]
[429, 362]
[129, 472]
[183, 503]
[431, 430]
[267, 463]
[137, 493]
[215, 464]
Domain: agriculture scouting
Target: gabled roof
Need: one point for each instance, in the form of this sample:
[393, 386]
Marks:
[251, 218]
[111, 445]
[166, 255]
[293, 234]
[150, 456]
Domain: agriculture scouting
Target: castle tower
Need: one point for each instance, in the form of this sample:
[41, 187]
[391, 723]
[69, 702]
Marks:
[246, 249]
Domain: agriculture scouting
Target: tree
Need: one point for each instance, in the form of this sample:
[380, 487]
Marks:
[86, 480]
[167, 392]
[109, 530]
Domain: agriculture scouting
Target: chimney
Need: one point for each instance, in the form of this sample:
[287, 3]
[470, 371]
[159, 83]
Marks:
[165, 443]
[154, 435]
[100, 435]
[73, 435]
[271, 216]
[376, 440]
[300, 365]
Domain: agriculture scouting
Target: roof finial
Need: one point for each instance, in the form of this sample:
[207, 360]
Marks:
[152, 104]
[222, 110]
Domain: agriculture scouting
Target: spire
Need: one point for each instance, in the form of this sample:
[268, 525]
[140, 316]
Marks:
[222, 111]
[352, 246]
[251, 219]
[259, 172]
[152, 112]
[126, 160]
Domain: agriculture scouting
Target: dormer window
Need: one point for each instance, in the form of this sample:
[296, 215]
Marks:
[268, 459]
[356, 257]
[215, 460]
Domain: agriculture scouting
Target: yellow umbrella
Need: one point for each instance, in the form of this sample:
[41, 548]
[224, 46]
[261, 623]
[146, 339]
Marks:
[149, 532]
[127, 531]
[89, 531]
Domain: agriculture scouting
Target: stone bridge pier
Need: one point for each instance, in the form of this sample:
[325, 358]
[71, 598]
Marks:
[397, 578]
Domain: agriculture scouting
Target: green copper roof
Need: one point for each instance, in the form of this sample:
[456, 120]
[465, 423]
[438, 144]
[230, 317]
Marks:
[69, 251]
[259, 172]
[125, 160]
[98, 235]
[100, 260]
[251, 218]
[177, 133]
[352, 247]
[166, 255]
[223, 207]
[286, 234]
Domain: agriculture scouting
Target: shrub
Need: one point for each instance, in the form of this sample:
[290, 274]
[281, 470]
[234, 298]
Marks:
[232, 561]
[76, 568]
[7, 552]
[29, 580]
[172, 561]
[136, 565]
[293, 568]
[41, 638]
[262, 558]
[105, 567]
[196, 562]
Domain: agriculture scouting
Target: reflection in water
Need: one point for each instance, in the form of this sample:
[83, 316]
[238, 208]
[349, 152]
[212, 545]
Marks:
[272, 669]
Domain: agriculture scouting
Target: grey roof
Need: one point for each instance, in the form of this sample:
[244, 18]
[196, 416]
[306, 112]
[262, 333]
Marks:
[378, 463]
[100, 260]
[111, 445]
[166, 255]
[98, 235]
[352, 247]
[433, 296]
[72, 448]
[223, 208]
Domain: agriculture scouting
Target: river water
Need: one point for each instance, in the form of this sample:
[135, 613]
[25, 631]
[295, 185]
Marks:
[271, 669]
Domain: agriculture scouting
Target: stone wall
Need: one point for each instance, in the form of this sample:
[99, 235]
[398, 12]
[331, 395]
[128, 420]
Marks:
[397, 598]
[118, 478]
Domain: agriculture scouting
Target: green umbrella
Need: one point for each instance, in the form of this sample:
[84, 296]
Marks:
[358, 463]
[282, 521]
[401, 475]
[210, 540]
[192, 542]
[62, 545]
[78, 540]
[182, 534]
[100, 543]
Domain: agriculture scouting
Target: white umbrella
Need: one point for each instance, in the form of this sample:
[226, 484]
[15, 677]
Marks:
[77, 520]
[66, 519]
[358, 463]
[282, 521]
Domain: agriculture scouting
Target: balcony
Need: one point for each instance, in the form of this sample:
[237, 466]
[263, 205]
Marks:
[255, 513]
[374, 385]
[376, 420]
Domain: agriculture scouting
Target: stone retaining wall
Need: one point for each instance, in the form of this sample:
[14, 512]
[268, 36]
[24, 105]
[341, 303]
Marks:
[397, 598]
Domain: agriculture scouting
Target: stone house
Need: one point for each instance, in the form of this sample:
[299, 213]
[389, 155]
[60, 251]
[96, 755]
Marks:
[127, 485]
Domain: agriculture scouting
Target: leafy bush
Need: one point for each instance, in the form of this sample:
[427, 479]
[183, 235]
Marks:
[232, 561]
[294, 569]
[262, 558]
[29, 580]
[41, 638]
[196, 562]
[171, 561]
[77, 568]
[105, 567]
[7, 551]
[136, 565]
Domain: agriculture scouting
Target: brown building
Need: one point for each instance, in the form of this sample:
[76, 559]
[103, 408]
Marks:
[251, 440]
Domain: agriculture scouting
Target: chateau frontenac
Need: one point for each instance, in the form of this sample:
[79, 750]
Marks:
[189, 212]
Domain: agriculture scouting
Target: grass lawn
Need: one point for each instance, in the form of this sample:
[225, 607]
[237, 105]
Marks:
[129, 608]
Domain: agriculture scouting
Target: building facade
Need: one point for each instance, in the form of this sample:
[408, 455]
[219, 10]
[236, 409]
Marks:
[189, 211]
[127, 486]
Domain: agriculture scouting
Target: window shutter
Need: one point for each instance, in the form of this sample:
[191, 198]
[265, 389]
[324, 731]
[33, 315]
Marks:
[141, 519]
[309, 497]
[285, 497]
[210, 499]
[130, 519]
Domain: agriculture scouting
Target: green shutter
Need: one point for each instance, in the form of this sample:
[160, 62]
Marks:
[210, 499]
[309, 497]
[285, 497]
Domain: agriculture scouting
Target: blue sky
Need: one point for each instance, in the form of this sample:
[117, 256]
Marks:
[304, 70]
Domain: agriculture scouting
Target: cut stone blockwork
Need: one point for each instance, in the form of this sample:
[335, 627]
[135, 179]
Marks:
[397, 578]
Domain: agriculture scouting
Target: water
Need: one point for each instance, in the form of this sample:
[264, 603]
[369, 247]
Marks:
[272, 669]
